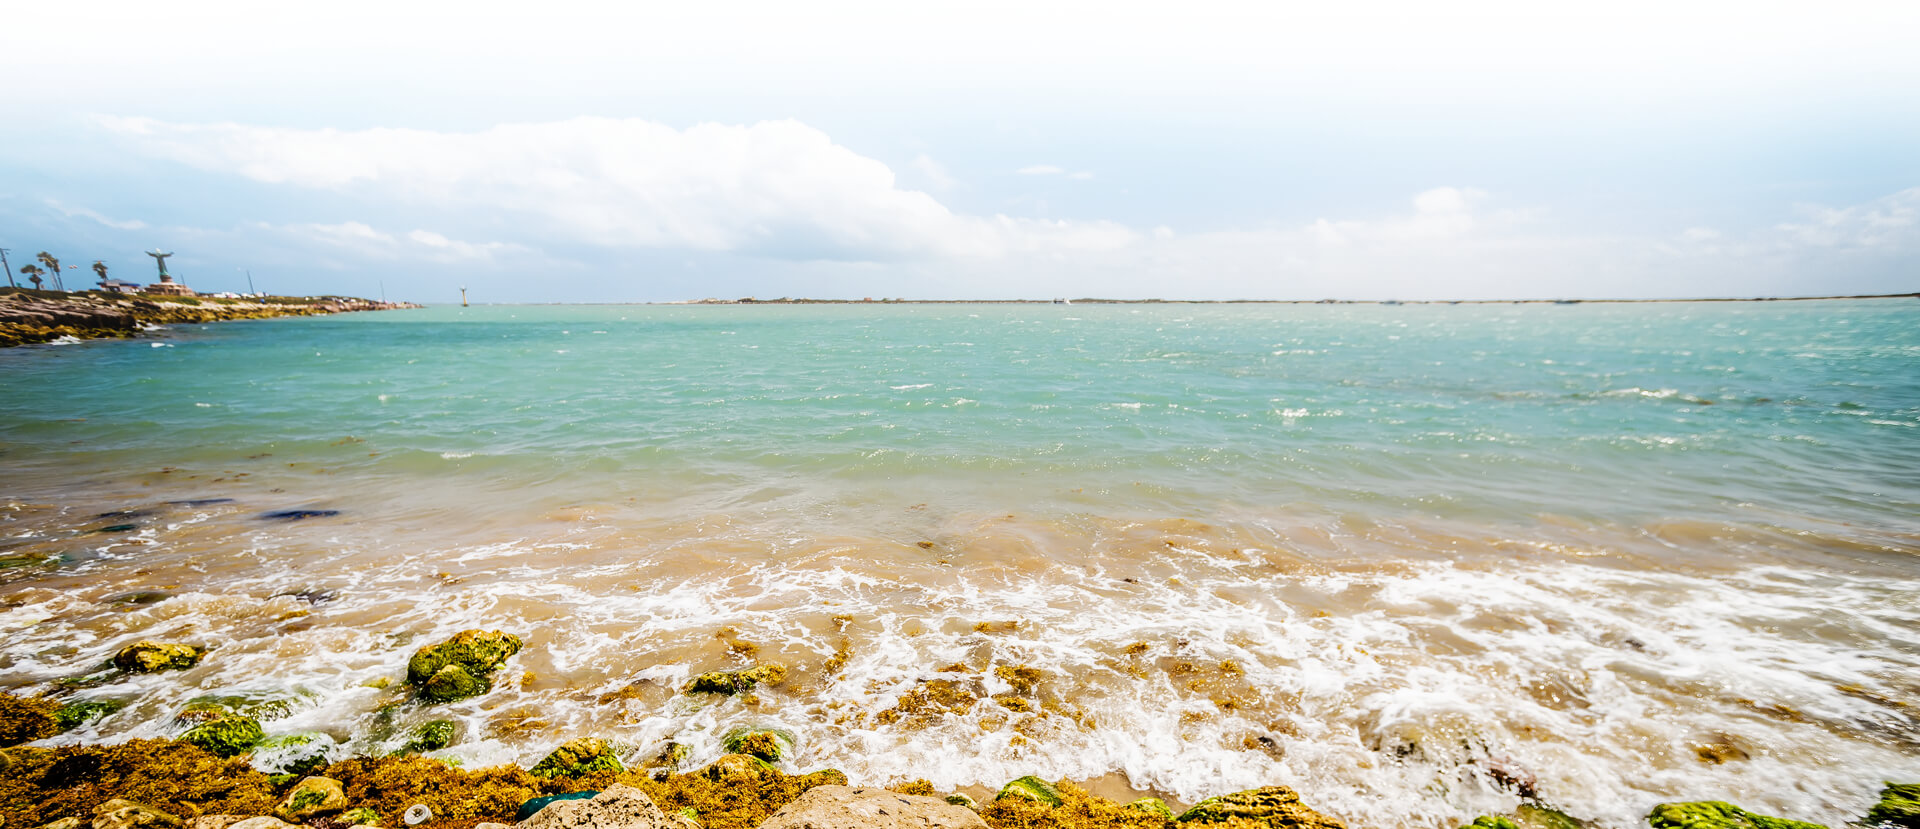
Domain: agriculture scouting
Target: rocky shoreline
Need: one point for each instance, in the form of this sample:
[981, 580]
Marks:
[224, 771]
[28, 316]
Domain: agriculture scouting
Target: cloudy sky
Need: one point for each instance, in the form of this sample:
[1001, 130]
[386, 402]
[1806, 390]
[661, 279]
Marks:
[557, 151]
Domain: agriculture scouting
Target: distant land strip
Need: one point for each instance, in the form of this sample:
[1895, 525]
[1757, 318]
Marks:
[1101, 301]
[33, 316]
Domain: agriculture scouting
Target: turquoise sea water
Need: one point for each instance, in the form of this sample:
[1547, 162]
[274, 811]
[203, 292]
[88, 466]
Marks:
[1585, 541]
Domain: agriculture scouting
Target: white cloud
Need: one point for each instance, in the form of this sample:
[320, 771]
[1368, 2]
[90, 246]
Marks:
[934, 172]
[1893, 221]
[776, 188]
[84, 213]
[1040, 170]
[368, 242]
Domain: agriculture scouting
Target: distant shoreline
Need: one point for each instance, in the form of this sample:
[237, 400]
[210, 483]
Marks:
[1157, 301]
[32, 317]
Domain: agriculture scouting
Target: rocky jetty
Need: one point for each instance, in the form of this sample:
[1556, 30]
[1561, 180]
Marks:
[28, 316]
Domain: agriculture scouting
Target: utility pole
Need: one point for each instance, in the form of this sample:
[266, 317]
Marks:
[250, 289]
[9, 267]
[383, 292]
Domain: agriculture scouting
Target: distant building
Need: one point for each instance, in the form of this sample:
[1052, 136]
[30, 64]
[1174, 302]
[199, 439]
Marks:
[119, 286]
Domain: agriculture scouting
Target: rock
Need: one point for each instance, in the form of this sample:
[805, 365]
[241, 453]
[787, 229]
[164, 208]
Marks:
[312, 797]
[1153, 806]
[1490, 822]
[214, 821]
[487, 824]
[64, 823]
[1714, 814]
[262, 822]
[362, 816]
[1536, 816]
[432, 735]
[738, 769]
[126, 814]
[80, 712]
[25, 719]
[295, 754]
[147, 656]
[823, 777]
[460, 667]
[530, 807]
[1276, 806]
[1030, 788]
[737, 682]
[297, 514]
[619, 807]
[958, 799]
[1899, 806]
[845, 807]
[769, 744]
[577, 757]
[670, 757]
[260, 705]
[226, 737]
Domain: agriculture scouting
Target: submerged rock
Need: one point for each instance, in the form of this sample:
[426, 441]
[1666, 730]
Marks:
[147, 656]
[1899, 806]
[738, 682]
[460, 667]
[126, 814]
[294, 754]
[844, 807]
[1276, 806]
[1715, 814]
[226, 737]
[738, 769]
[311, 798]
[297, 514]
[432, 735]
[532, 807]
[577, 757]
[670, 757]
[259, 705]
[1030, 788]
[619, 807]
[769, 744]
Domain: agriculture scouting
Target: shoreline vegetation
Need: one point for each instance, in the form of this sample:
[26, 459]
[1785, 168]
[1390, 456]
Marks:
[29, 317]
[225, 770]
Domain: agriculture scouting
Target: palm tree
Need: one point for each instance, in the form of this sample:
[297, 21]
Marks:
[33, 274]
[100, 268]
[53, 265]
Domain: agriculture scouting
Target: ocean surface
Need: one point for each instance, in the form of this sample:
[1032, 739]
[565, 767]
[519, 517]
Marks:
[1414, 561]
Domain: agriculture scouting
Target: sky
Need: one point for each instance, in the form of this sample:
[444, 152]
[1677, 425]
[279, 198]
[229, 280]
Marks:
[586, 152]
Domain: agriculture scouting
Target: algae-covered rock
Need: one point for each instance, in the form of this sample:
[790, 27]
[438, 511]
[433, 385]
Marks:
[226, 737]
[64, 823]
[1715, 814]
[25, 719]
[311, 798]
[460, 667]
[294, 754]
[769, 744]
[1490, 822]
[959, 800]
[738, 682]
[262, 822]
[80, 712]
[126, 814]
[670, 757]
[843, 807]
[1276, 806]
[531, 807]
[738, 769]
[432, 735]
[260, 705]
[147, 656]
[619, 807]
[577, 757]
[823, 777]
[362, 816]
[1030, 788]
[1153, 806]
[1899, 806]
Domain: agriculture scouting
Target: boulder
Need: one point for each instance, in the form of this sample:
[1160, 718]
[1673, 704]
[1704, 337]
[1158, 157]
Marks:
[432, 735]
[769, 744]
[619, 807]
[226, 737]
[846, 807]
[1899, 806]
[214, 821]
[147, 656]
[738, 769]
[310, 798]
[460, 667]
[64, 823]
[297, 754]
[1030, 788]
[823, 777]
[577, 757]
[1715, 814]
[262, 822]
[126, 814]
[531, 807]
[1276, 806]
[737, 682]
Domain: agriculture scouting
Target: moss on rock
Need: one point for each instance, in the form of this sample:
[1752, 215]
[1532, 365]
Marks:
[432, 735]
[578, 758]
[227, 736]
[460, 667]
[737, 682]
[358, 817]
[1899, 806]
[1152, 806]
[823, 777]
[1715, 814]
[738, 769]
[1276, 806]
[147, 656]
[80, 712]
[1030, 788]
[769, 744]
[1491, 822]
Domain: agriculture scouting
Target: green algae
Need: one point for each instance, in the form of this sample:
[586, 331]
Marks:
[1899, 806]
[737, 682]
[1276, 806]
[1030, 788]
[1152, 806]
[579, 758]
[227, 736]
[432, 735]
[1715, 814]
[80, 712]
[460, 667]
[769, 744]
[147, 656]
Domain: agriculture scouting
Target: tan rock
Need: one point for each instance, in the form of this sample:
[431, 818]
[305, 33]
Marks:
[263, 822]
[846, 807]
[618, 807]
[311, 797]
[491, 825]
[65, 823]
[214, 821]
[126, 814]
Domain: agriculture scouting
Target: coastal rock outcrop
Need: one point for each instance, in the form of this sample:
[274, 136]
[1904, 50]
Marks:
[460, 667]
[1276, 806]
[619, 807]
[126, 814]
[585, 755]
[147, 656]
[769, 744]
[1030, 788]
[1715, 814]
[737, 682]
[738, 770]
[310, 798]
[28, 316]
[227, 736]
[845, 807]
